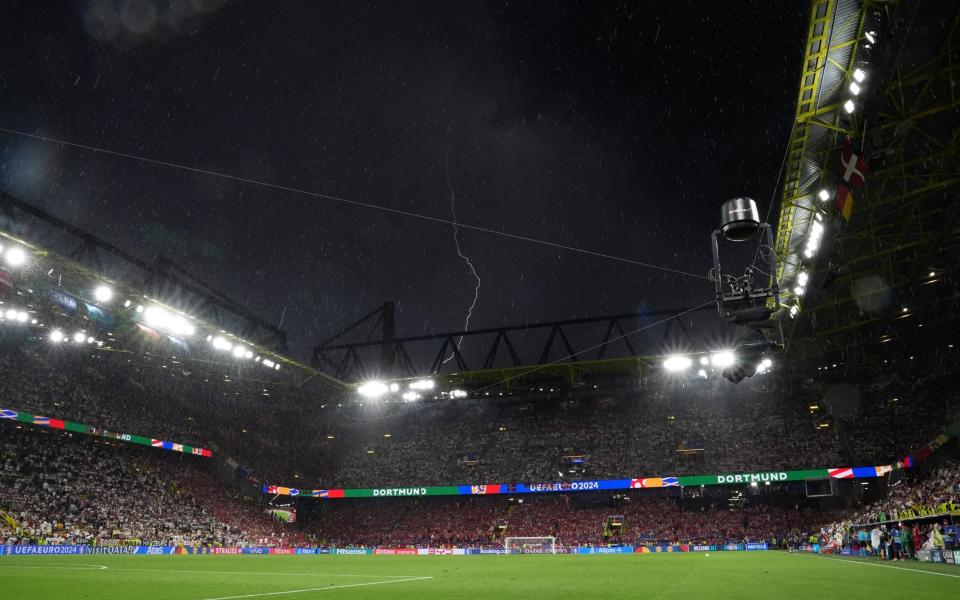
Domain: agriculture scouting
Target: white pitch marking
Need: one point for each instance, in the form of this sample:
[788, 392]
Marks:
[871, 564]
[317, 589]
[202, 571]
[76, 567]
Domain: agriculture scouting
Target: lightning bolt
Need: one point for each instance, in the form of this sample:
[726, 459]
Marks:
[456, 241]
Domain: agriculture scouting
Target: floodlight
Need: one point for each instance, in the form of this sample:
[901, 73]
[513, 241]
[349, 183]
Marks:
[854, 88]
[859, 75]
[15, 256]
[764, 365]
[849, 106]
[458, 394]
[677, 363]
[221, 344]
[56, 336]
[248, 354]
[794, 310]
[394, 387]
[239, 351]
[79, 337]
[22, 317]
[373, 389]
[702, 373]
[704, 360]
[871, 36]
[268, 363]
[422, 384]
[802, 278]
[103, 294]
[722, 359]
[410, 396]
[11, 314]
[799, 290]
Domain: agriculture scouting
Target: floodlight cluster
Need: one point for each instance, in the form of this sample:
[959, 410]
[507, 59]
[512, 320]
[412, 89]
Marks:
[814, 237]
[13, 256]
[855, 88]
[717, 361]
[57, 336]
[411, 392]
[15, 315]
[163, 320]
[240, 351]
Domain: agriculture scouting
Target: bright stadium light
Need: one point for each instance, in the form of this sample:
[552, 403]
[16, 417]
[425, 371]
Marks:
[103, 294]
[802, 278]
[849, 106]
[677, 363]
[394, 387]
[458, 394]
[79, 337]
[221, 344]
[722, 359]
[799, 290]
[704, 361]
[239, 351]
[702, 373]
[854, 88]
[22, 317]
[56, 336]
[422, 384]
[824, 195]
[859, 75]
[15, 256]
[764, 365]
[268, 363]
[871, 36]
[159, 318]
[373, 389]
[410, 396]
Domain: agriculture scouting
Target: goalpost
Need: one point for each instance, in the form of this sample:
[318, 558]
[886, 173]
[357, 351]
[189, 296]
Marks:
[530, 545]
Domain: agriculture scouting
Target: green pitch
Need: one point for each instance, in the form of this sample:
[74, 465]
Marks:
[733, 575]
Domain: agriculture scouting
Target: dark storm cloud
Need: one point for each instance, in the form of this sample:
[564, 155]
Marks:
[618, 127]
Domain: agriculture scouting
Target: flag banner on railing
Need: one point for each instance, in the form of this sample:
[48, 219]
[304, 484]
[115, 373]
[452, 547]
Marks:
[51, 423]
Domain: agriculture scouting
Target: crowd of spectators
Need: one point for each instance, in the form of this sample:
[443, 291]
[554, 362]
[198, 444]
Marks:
[61, 488]
[658, 428]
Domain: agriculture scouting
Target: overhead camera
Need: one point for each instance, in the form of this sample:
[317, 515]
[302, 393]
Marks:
[750, 297]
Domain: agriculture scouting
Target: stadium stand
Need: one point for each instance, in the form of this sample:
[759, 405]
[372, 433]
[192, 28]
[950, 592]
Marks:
[66, 489]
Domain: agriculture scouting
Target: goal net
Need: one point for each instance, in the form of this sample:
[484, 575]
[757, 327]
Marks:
[530, 545]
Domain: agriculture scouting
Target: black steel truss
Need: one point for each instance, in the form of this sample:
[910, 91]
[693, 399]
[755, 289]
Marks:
[500, 346]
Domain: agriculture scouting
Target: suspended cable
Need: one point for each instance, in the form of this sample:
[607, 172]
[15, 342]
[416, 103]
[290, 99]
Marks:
[396, 211]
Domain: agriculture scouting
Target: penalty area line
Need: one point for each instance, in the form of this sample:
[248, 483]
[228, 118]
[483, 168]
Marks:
[316, 589]
[872, 564]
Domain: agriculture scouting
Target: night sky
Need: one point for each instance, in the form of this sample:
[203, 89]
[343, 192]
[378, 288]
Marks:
[617, 127]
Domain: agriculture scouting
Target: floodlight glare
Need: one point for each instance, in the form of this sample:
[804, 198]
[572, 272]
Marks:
[221, 344]
[799, 290]
[702, 373]
[802, 278]
[22, 317]
[859, 75]
[849, 106]
[239, 351]
[677, 363]
[394, 387]
[15, 256]
[422, 384]
[373, 389]
[704, 360]
[854, 88]
[56, 336]
[410, 396]
[871, 36]
[458, 394]
[824, 195]
[103, 294]
[79, 337]
[722, 359]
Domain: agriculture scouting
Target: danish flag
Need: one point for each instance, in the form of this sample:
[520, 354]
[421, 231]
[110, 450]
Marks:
[853, 168]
